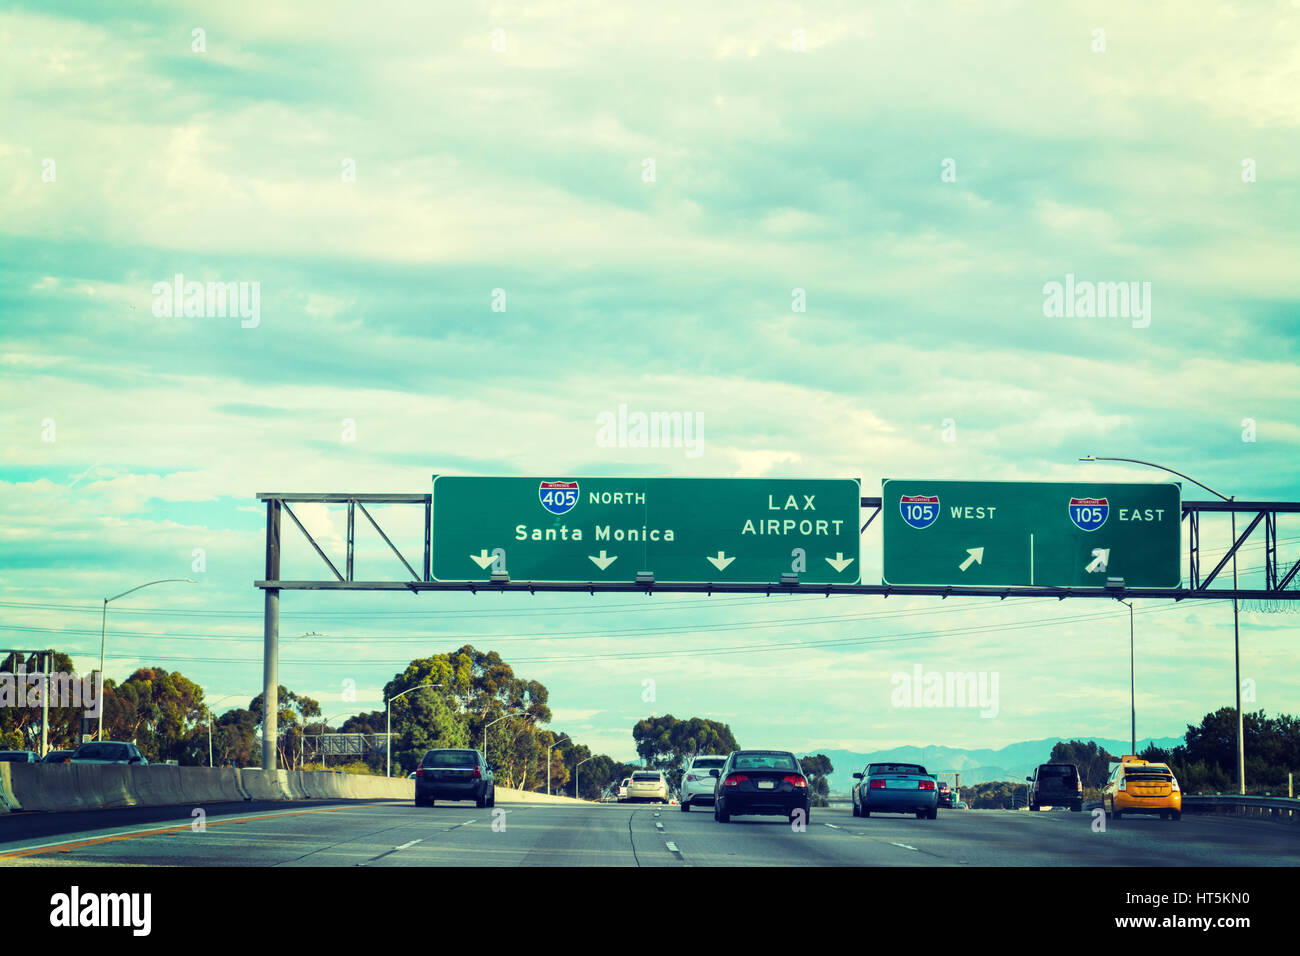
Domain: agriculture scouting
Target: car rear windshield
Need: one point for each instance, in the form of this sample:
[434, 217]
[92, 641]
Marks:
[14, 756]
[763, 761]
[908, 768]
[646, 776]
[103, 752]
[1057, 770]
[1151, 772]
[451, 758]
[705, 763]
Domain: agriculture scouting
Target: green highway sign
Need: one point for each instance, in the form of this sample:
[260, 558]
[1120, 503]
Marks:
[750, 530]
[1029, 533]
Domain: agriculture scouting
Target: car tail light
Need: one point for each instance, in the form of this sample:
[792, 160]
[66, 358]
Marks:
[735, 780]
[877, 785]
[477, 774]
[691, 778]
[925, 785]
[1173, 784]
[1121, 784]
[795, 781]
[419, 771]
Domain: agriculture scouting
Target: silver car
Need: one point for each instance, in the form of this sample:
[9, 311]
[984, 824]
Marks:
[698, 784]
[649, 785]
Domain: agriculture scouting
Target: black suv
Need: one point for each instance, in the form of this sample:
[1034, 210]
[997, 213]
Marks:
[1055, 785]
[454, 775]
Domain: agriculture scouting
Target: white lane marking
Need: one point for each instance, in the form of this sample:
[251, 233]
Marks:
[659, 826]
[831, 825]
[468, 822]
[905, 847]
[672, 847]
[407, 845]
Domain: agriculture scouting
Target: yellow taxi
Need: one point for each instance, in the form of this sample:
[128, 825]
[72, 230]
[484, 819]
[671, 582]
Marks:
[1139, 786]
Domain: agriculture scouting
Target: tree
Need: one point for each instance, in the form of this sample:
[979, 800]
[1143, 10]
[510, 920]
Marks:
[815, 769]
[1092, 760]
[20, 727]
[293, 713]
[665, 743]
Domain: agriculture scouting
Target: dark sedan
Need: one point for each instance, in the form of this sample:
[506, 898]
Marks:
[895, 788]
[761, 782]
[454, 775]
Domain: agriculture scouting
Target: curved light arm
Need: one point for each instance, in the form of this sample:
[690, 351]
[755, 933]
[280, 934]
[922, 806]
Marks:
[409, 690]
[150, 584]
[1152, 464]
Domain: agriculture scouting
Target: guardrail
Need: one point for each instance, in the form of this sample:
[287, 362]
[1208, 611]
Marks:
[1199, 802]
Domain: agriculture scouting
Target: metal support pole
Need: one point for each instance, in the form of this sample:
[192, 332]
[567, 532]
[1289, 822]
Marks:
[45, 708]
[388, 740]
[271, 679]
[1132, 685]
[103, 631]
[1236, 660]
[271, 641]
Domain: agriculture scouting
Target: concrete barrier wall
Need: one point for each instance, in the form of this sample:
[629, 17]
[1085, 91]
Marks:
[71, 786]
[7, 799]
[265, 784]
[210, 785]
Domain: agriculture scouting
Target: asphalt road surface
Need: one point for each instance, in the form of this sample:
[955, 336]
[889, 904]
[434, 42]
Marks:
[383, 834]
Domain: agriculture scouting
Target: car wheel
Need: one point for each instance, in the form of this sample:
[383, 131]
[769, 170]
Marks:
[492, 800]
[865, 812]
[855, 808]
[922, 814]
[481, 801]
[934, 814]
[1077, 808]
[1176, 815]
[719, 814]
[1116, 814]
[686, 806]
[1033, 807]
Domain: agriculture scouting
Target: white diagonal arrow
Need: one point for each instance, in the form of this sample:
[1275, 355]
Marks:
[1100, 558]
[721, 561]
[976, 555]
[839, 562]
[482, 559]
[602, 562]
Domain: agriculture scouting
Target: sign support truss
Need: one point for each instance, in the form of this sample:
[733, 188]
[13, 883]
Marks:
[1279, 581]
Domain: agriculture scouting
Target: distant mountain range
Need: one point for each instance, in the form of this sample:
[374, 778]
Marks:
[1012, 762]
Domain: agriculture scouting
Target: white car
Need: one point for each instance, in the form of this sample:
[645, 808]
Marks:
[622, 788]
[648, 785]
[697, 783]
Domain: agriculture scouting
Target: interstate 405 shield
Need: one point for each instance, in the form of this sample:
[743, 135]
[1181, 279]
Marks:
[566, 528]
[1028, 533]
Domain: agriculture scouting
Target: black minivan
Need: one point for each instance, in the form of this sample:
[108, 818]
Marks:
[454, 775]
[1055, 785]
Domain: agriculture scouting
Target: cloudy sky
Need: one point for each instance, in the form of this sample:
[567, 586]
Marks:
[825, 230]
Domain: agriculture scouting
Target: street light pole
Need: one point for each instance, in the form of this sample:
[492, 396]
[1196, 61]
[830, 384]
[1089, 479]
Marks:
[388, 737]
[103, 636]
[1236, 631]
[548, 762]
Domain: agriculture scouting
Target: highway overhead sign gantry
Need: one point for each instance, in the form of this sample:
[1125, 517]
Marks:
[1031, 534]
[679, 529]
